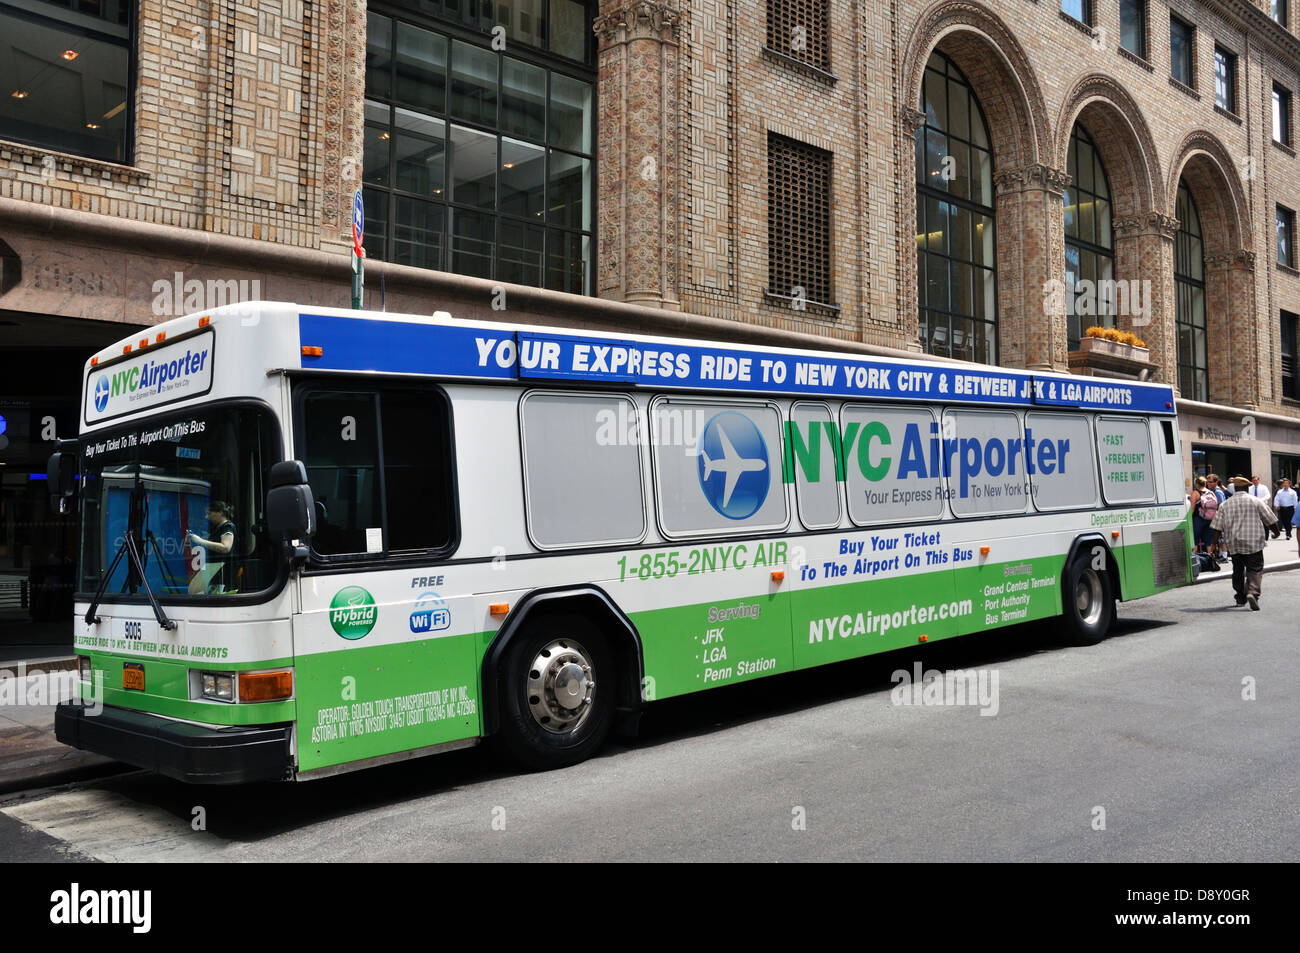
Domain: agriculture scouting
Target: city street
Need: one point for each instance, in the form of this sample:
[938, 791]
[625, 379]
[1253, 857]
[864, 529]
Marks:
[1173, 740]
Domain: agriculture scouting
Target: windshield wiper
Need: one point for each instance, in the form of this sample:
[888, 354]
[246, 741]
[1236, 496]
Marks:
[136, 566]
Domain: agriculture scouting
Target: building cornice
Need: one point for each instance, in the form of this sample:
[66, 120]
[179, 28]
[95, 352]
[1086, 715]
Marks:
[527, 304]
[1276, 38]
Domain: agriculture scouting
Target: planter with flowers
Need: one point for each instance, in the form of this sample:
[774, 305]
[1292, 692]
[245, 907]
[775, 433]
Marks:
[1110, 352]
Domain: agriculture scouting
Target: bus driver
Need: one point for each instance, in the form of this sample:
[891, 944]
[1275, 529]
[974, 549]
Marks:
[221, 515]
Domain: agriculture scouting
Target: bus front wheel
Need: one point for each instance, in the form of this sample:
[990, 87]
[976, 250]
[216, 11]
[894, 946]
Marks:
[1089, 601]
[557, 694]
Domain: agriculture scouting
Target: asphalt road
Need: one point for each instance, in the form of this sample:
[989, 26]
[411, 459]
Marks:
[1147, 734]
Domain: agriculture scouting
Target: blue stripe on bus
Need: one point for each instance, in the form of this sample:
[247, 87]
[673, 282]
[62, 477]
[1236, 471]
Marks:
[357, 344]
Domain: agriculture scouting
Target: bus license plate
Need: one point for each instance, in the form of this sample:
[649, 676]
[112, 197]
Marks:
[133, 676]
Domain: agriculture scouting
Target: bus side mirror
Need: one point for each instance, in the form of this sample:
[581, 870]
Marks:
[290, 508]
[61, 477]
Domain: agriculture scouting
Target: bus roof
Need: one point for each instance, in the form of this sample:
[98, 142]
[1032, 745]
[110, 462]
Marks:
[445, 347]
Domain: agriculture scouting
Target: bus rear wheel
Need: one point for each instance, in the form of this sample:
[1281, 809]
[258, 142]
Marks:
[1089, 601]
[556, 694]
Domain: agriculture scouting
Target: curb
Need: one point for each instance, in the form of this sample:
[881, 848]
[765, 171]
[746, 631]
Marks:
[66, 774]
[1226, 573]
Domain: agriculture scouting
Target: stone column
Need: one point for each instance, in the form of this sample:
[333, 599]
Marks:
[909, 305]
[1031, 253]
[1144, 253]
[636, 113]
[1231, 329]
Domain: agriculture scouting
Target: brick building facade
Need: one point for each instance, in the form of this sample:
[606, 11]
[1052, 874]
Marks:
[759, 170]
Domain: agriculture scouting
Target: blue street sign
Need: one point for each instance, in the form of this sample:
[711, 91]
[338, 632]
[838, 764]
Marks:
[358, 221]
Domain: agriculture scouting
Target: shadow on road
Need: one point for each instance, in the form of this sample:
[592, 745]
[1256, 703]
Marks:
[255, 812]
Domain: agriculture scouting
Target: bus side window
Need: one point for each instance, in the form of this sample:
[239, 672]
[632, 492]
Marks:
[986, 476]
[718, 467]
[379, 464]
[582, 467]
[892, 469]
[811, 450]
[1124, 445]
[1060, 460]
[342, 457]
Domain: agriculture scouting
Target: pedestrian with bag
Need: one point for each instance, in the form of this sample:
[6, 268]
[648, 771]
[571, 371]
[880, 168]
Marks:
[1241, 525]
[1209, 507]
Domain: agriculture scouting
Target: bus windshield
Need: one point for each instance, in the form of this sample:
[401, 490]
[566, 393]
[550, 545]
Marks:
[190, 488]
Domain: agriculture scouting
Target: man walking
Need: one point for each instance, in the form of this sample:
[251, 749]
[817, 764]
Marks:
[1242, 525]
[1285, 503]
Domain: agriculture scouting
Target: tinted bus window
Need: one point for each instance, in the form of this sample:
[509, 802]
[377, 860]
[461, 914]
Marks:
[1124, 446]
[811, 453]
[892, 464]
[986, 469]
[718, 467]
[582, 470]
[1059, 458]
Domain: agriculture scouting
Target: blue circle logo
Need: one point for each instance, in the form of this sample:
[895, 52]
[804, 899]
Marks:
[101, 393]
[734, 471]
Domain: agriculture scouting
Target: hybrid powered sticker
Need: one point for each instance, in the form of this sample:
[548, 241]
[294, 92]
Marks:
[353, 612]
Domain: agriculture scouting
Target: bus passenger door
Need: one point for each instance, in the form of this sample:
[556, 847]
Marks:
[385, 643]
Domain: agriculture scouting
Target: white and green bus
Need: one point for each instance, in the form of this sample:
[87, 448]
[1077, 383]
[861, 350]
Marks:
[316, 540]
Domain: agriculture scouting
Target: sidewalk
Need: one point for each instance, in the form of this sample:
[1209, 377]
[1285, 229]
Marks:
[1279, 554]
[30, 757]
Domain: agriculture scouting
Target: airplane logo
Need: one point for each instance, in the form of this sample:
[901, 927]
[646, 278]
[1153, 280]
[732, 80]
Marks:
[732, 447]
[101, 393]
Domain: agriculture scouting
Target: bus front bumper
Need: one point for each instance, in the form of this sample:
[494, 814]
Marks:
[187, 752]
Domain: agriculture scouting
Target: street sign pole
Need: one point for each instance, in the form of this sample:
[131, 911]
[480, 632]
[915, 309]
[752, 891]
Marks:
[358, 249]
[358, 279]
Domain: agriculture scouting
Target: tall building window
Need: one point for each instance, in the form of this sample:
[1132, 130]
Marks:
[1225, 79]
[1279, 11]
[955, 242]
[65, 66]
[1285, 236]
[1189, 289]
[1089, 241]
[1081, 10]
[1281, 115]
[798, 221]
[1133, 26]
[800, 29]
[1182, 43]
[480, 162]
[1290, 385]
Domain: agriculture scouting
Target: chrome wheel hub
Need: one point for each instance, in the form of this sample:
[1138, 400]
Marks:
[1087, 597]
[560, 686]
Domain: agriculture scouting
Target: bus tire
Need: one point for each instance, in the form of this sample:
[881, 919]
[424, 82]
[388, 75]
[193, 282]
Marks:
[1089, 601]
[557, 693]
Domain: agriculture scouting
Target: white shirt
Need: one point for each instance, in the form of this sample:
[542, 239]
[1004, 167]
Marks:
[1259, 491]
[1286, 497]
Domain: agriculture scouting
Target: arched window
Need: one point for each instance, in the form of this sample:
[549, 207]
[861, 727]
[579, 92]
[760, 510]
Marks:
[955, 242]
[1089, 241]
[1189, 284]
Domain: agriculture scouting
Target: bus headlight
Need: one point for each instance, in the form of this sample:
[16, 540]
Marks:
[219, 686]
